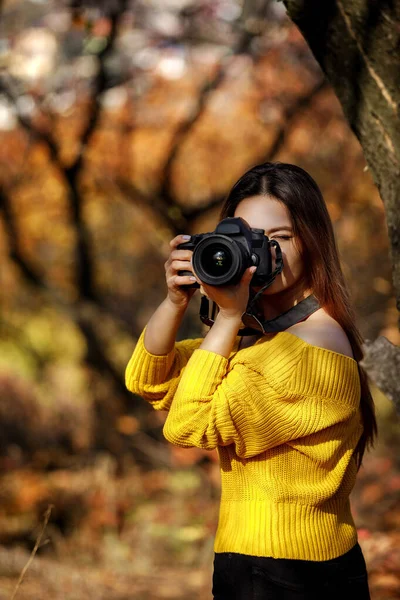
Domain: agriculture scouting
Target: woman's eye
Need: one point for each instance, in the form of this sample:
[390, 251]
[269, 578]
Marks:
[283, 237]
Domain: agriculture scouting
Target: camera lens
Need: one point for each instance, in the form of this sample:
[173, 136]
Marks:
[219, 260]
[216, 260]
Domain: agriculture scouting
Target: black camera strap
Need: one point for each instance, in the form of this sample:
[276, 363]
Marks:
[302, 310]
[278, 269]
[256, 324]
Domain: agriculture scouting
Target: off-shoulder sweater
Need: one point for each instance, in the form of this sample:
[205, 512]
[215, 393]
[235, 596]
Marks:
[285, 420]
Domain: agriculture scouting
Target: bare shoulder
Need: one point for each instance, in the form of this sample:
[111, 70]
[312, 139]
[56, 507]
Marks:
[323, 331]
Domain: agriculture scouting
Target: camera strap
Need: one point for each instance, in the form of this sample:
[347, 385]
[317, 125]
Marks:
[256, 324]
[296, 314]
[278, 269]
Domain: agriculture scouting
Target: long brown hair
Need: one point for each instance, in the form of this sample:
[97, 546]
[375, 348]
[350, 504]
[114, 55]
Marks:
[311, 222]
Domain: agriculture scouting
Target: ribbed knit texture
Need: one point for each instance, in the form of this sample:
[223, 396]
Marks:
[284, 417]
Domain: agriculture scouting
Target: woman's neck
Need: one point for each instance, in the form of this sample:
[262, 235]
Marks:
[274, 305]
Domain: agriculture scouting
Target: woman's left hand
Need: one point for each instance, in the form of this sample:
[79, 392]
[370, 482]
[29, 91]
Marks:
[232, 300]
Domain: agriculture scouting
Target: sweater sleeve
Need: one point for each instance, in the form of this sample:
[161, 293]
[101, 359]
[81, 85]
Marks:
[156, 377]
[215, 405]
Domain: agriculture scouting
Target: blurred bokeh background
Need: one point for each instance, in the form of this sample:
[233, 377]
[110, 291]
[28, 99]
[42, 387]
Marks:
[122, 124]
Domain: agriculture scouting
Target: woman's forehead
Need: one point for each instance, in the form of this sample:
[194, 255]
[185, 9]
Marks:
[265, 213]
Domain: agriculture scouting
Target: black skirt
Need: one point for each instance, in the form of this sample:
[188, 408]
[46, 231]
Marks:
[244, 577]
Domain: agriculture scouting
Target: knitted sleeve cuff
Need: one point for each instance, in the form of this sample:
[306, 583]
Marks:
[147, 368]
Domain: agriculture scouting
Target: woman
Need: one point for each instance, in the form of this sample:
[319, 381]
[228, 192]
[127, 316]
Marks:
[290, 413]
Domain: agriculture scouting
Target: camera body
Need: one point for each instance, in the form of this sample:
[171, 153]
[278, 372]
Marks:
[222, 256]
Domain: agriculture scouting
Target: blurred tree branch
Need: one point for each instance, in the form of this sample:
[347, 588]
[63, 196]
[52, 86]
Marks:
[181, 217]
[85, 309]
[301, 103]
[248, 27]
[72, 172]
[28, 271]
[83, 313]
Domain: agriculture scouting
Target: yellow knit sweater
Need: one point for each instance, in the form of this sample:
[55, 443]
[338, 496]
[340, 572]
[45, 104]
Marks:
[284, 417]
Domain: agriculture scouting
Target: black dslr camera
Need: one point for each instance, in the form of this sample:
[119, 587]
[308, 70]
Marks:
[222, 256]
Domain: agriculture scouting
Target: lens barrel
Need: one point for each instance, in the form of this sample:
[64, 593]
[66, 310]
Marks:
[219, 260]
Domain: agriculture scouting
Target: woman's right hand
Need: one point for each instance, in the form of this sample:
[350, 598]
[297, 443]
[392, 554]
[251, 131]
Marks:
[179, 293]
